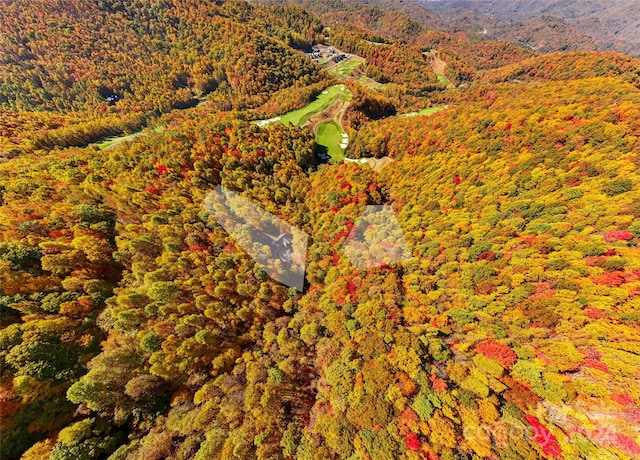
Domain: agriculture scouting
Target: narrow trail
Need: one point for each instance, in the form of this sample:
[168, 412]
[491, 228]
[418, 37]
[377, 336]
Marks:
[377, 164]
[334, 112]
[110, 144]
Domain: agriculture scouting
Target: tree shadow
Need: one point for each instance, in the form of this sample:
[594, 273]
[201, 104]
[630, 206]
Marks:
[322, 154]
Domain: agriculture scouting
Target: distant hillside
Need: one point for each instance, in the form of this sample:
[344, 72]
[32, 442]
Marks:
[408, 23]
[394, 19]
[558, 26]
[576, 24]
[545, 25]
[413, 9]
[541, 33]
[569, 66]
[108, 66]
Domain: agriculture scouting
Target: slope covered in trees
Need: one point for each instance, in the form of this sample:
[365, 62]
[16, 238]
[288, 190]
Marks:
[134, 327]
[405, 23]
[569, 66]
[109, 66]
[550, 25]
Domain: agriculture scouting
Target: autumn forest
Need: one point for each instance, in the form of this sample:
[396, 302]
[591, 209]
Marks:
[133, 325]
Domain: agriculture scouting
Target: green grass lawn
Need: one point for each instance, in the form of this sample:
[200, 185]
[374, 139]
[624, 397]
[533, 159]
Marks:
[430, 110]
[324, 100]
[370, 83]
[425, 111]
[329, 135]
[108, 142]
[347, 66]
[445, 80]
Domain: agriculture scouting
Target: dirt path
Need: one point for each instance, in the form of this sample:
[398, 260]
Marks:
[327, 114]
[377, 164]
[334, 112]
[118, 140]
[437, 64]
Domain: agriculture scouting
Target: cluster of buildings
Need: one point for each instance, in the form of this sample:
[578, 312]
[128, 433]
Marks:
[329, 53]
[338, 58]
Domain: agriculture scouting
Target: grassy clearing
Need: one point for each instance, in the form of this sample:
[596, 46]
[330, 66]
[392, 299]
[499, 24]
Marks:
[324, 100]
[445, 80]
[113, 141]
[347, 66]
[329, 135]
[425, 111]
[370, 83]
[108, 142]
[431, 110]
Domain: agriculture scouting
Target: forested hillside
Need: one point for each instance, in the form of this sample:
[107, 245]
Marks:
[543, 25]
[74, 72]
[133, 326]
[408, 23]
[550, 25]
